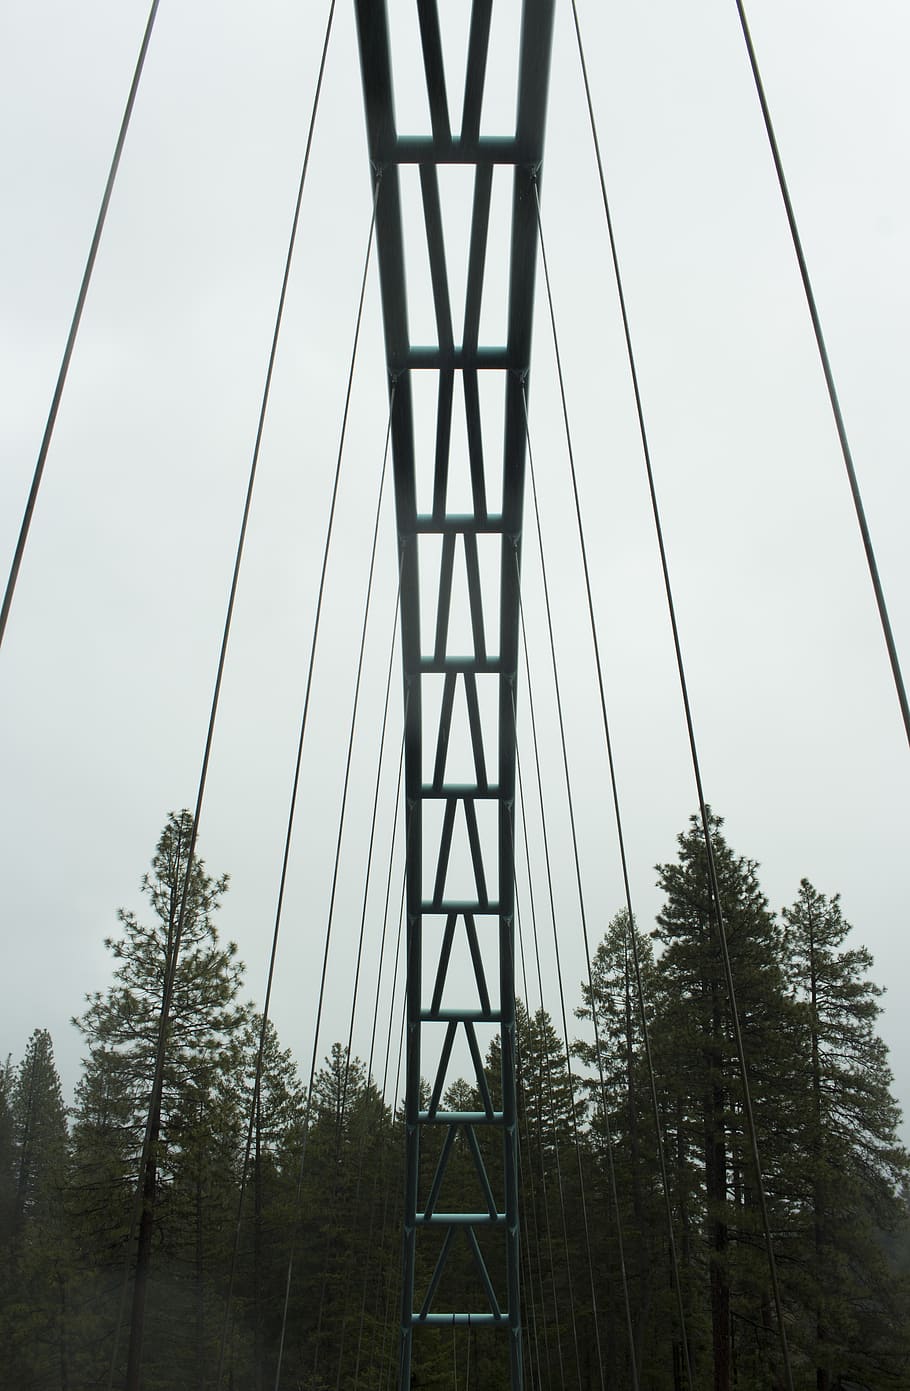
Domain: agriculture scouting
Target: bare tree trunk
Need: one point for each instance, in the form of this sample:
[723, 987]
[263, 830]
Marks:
[716, 1193]
[143, 1255]
[64, 1361]
[257, 1249]
[822, 1374]
[200, 1288]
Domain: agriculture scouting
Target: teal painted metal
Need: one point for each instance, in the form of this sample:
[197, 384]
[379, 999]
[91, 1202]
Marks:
[481, 914]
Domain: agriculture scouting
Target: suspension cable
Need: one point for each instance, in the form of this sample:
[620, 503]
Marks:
[310, 669]
[532, 1337]
[387, 1360]
[829, 378]
[519, 923]
[74, 326]
[562, 997]
[611, 1168]
[617, 812]
[401, 920]
[256, 1093]
[388, 883]
[563, 1210]
[388, 1042]
[341, 824]
[382, 744]
[171, 966]
[138, 1197]
[339, 1128]
[690, 728]
[373, 1032]
[532, 905]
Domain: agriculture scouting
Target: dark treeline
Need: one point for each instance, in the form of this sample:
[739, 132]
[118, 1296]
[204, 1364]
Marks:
[311, 1256]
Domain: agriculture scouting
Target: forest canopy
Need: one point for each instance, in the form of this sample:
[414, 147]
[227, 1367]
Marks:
[248, 1216]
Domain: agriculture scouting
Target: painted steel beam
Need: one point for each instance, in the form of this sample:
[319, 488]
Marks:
[447, 806]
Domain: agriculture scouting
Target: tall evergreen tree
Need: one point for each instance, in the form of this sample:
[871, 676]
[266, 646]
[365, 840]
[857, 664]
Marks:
[191, 1139]
[35, 1285]
[630, 1133]
[694, 1037]
[554, 1163]
[855, 1165]
[268, 1215]
[344, 1255]
[7, 1155]
[39, 1127]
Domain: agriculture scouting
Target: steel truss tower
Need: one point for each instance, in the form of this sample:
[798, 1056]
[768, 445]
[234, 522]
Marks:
[445, 687]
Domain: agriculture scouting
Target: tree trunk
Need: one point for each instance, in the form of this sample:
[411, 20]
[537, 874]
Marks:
[150, 1175]
[642, 1259]
[685, 1244]
[257, 1249]
[64, 1361]
[143, 1255]
[200, 1290]
[715, 1170]
[822, 1374]
[716, 1194]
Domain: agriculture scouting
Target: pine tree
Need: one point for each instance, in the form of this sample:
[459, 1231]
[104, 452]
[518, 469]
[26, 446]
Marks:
[193, 1136]
[277, 1121]
[695, 1052]
[7, 1156]
[39, 1126]
[37, 1269]
[342, 1249]
[630, 1134]
[855, 1165]
[554, 1162]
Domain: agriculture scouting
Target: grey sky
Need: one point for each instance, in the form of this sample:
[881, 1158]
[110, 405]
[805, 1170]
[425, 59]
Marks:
[109, 659]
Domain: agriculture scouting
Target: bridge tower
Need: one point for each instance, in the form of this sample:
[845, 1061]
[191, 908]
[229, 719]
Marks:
[447, 551]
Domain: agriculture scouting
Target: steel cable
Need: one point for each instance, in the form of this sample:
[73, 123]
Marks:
[543, 1177]
[382, 1116]
[363, 635]
[829, 379]
[366, 890]
[380, 1170]
[174, 948]
[376, 789]
[74, 325]
[611, 1171]
[617, 813]
[389, 1361]
[344, 798]
[562, 1003]
[385, 909]
[310, 667]
[690, 728]
[547, 1060]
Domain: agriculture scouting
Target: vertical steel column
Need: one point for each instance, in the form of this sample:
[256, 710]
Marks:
[486, 915]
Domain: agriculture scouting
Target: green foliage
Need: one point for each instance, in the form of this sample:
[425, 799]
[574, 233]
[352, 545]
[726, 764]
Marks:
[201, 1109]
[854, 1325]
[626, 1138]
[7, 1155]
[315, 1204]
[35, 1275]
[120, 1026]
[704, 1095]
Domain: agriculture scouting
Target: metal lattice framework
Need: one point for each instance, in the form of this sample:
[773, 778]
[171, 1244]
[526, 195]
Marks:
[478, 805]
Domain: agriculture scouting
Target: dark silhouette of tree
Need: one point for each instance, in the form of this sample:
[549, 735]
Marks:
[853, 1163]
[190, 1138]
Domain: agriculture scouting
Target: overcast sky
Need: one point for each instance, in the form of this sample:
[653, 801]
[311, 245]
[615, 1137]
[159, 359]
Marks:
[109, 659]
